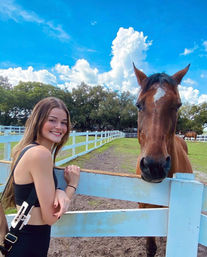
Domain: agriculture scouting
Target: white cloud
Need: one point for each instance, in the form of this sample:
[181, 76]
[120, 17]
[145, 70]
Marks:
[10, 10]
[18, 74]
[205, 45]
[80, 72]
[191, 95]
[190, 81]
[129, 46]
[188, 51]
[93, 23]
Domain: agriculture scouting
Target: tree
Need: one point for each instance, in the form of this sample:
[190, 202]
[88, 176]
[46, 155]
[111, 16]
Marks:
[192, 118]
[27, 94]
[6, 101]
[128, 111]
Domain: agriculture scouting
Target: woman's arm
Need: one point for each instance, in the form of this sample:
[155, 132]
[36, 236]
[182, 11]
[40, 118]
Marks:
[72, 176]
[63, 198]
[41, 169]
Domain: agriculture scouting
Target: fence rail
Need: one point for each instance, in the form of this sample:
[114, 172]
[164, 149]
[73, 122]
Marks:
[182, 221]
[11, 130]
[200, 138]
[92, 141]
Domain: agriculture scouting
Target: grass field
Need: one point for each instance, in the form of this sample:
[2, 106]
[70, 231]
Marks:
[130, 147]
[198, 155]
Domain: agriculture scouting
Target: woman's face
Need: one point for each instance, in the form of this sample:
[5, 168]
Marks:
[54, 128]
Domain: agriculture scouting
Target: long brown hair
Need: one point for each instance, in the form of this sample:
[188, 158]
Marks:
[33, 128]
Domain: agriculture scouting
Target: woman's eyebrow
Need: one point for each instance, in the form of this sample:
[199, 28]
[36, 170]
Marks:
[51, 116]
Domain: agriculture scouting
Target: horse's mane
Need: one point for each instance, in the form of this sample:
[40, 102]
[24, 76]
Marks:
[158, 78]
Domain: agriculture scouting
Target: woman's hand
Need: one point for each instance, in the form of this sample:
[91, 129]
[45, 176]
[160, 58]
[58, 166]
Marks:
[72, 175]
[61, 203]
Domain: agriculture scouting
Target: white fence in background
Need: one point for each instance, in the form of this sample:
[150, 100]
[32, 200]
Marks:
[200, 138]
[11, 130]
[93, 140]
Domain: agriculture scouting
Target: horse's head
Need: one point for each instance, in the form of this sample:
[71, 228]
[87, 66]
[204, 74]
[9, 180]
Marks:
[158, 103]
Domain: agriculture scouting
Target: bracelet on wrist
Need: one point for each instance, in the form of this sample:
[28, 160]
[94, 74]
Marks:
[71, 186]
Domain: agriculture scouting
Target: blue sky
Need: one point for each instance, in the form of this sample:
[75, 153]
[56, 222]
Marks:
[64, 42]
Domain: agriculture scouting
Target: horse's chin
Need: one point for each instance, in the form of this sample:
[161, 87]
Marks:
[149, 180]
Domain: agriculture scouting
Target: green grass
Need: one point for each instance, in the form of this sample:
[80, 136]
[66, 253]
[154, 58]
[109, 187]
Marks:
[198, 155]
[130, 148]
[80, 160]
[11, 211]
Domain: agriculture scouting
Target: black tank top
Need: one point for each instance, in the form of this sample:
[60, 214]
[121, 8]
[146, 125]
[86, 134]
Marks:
[22, 191]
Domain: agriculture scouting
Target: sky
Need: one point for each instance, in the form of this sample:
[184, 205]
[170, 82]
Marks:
[66, 42]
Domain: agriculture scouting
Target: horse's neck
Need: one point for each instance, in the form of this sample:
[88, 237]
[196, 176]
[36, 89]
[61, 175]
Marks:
[179, 158]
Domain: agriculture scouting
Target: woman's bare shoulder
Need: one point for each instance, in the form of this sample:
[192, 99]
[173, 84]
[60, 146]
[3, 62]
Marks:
[38, 153]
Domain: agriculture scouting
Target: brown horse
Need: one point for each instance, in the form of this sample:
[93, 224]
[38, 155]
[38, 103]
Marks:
[162, 152]
[190, 134]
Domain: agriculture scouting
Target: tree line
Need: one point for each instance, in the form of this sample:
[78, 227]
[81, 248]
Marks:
[91, 108]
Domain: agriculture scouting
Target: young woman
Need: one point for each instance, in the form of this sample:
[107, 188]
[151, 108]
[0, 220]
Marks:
[47, 129]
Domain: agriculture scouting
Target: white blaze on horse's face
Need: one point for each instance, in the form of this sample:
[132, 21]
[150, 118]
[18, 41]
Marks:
[159, 94]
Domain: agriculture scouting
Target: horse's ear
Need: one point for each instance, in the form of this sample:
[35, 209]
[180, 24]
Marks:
[139, 75]
[180, 74]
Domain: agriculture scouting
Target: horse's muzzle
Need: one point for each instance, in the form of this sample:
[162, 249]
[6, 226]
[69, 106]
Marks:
[154, 171]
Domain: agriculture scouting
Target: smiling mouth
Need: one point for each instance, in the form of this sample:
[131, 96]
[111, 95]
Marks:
[57, 134]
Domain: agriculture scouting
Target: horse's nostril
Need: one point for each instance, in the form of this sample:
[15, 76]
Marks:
[168, 158]
[153, 170]
[144, 162]
[167, 164]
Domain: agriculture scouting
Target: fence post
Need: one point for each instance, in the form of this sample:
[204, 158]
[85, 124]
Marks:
[101, 141]
[7, 151]
[96, 139]
[73, 142]
[7, 148]
[86, 141]
[184, 216]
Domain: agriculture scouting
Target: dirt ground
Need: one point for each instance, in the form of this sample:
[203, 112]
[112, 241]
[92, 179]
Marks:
[107, 246]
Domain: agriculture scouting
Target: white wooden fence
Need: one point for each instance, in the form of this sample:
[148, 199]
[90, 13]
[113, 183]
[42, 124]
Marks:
[99, 138]
[200, 138]
[11, 130]
[182, 221]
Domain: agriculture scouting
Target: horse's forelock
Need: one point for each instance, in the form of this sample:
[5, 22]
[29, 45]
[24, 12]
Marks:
[158, 78]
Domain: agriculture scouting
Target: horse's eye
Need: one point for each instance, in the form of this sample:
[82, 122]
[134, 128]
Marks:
[139, 107]
[178, 106]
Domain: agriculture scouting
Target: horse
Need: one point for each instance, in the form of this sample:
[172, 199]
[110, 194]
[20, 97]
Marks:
[190, 134]
[162, 152]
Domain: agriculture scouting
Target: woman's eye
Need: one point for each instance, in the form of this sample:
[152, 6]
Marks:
[64, 123]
